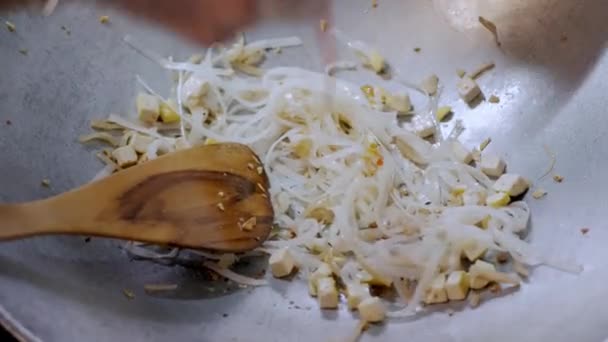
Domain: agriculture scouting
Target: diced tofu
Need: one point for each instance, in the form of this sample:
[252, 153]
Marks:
[372, 310]
[457, 285]
[281, 263]
[479, 267]
[423, 127]
[323, 271]
[168, 114]
[461, 153]
[473, 251]
[355, 294]
[148, 108]
[125, 156]
[442, 112]
[400, 103]
[327, 294]
[499, 199]
[430, 84]
[492, 165]
[376, 62]
[436, 292]
[474, 197]
[468, 89]
[512, 184]
[140, 142]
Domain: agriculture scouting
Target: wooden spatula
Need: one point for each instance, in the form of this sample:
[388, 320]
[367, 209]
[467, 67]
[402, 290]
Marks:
[209, 197]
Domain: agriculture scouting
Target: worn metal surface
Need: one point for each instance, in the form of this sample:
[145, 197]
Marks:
[550, 77]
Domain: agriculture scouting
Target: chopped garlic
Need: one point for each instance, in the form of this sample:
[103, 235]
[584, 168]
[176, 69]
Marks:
[473, 250]
[327, 294]
[442, 112]
[499, 199]
[461, 153]
[399, 103]
[436, 292]
[457, 285]
[148, 108]
[104, 19]
[481, 69]
[10, 26]
[512, 184]
[430, 84]
[492, 165]
[355, 294]
[221, 207]
[460, 73]
[468, 89]
[249, 224]
[140, 142]
[494, 99]
[485, 144]
[281, 263]
[558, 178]
[372, 310]
[323, 271]
[46, 183]
[125, 156]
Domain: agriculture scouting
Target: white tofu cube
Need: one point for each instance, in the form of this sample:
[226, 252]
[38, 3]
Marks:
[436, 292]
[355, 294]
[323, 271]
[125, 156]
[473, 250]
[512, 184]
[479, 267]
[327, 293]
[399, 103]
[140, 142]
[148, 108]
[474, 197]
[430, 84]
[372, 310]
[423, 127]
[457, 285]
[468, 89]
[461, 153]
[281, 263]
[499, 199]
[492, 165]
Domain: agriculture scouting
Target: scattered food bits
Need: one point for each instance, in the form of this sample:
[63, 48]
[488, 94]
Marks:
[129, 294]
[461, 73]
[430, 84]
[539, 193]
[481, 70]
[376, 62]
[260, 170]
[104, 19]
[485, 144]
[558, 178]
[492, 165]
[323, 25]
[512, 184]
[9, 122]
[45, 183]
[355, 294]
[10, 26]
[374, 3]
[474, 299]
[468, 89]
[494, 99]
[221, 194]
[490, 26]
[261, 187]
[436, 292]
[400, 103]
[372, 310]
[140, 142]
[250, 166]
[23, 51]
[584, 231]
[249, 224]
[281, 263]
[66, 30]
[153, 288]
[417, 49]
[221, 207]
[442, 112]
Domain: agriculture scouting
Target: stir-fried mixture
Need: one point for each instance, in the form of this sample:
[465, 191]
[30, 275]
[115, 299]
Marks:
[367, 190]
